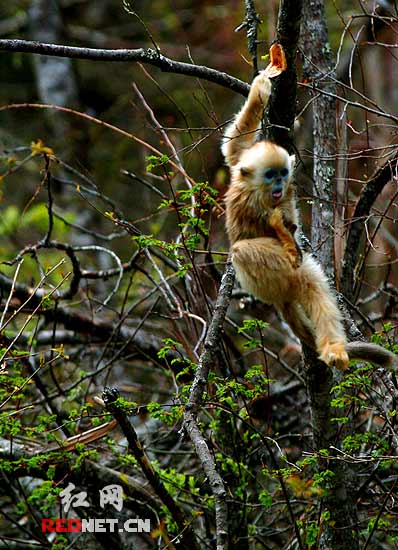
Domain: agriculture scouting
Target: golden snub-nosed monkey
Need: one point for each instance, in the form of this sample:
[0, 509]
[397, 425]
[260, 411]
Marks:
[261, 219]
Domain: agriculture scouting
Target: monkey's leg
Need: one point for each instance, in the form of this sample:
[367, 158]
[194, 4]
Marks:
[285, 237]
[298, 321]
[263, 269]
[320, 306]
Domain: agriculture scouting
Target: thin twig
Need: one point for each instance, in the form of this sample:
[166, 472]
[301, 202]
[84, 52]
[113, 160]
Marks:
[30, 317]
[119, 265]
[14, 280]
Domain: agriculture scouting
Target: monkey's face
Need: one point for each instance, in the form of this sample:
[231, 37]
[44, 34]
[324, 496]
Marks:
[275, 179]
[265, 169]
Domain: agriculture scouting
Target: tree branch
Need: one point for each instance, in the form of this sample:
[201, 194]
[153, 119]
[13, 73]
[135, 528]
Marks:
[369, 194]
[187, 536]
[318, 65]
[140, 499]
[251, 23]
[144, 55]
[206, 360]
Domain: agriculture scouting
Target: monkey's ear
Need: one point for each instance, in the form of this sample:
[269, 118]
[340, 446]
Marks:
[245, 172]
[292, 159]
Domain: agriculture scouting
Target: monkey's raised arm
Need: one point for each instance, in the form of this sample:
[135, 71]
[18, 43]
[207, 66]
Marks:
[241, 133]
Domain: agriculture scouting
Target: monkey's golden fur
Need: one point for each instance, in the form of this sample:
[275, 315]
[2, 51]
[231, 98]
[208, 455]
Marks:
[260, 226]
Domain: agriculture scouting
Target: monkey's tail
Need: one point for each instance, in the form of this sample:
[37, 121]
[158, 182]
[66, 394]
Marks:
[372, 353]
[362, 351]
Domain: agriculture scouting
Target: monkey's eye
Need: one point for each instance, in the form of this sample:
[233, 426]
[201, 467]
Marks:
[284, 172]
[270, 174]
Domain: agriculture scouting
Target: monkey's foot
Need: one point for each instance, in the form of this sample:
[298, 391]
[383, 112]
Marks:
[277, 61]
[335, 355]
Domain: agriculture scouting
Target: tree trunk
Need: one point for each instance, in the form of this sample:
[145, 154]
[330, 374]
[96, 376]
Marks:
[282, 105]
[340, 531]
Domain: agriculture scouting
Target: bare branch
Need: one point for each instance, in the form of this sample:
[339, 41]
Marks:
[187, 535]
[369, 194]
[100, 331]
[251, 23]
[144, 55]
[206, 360]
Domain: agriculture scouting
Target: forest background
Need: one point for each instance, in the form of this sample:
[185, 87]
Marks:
[127, 358]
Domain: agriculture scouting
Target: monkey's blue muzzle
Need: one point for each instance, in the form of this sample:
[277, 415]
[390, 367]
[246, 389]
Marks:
[277, 190]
